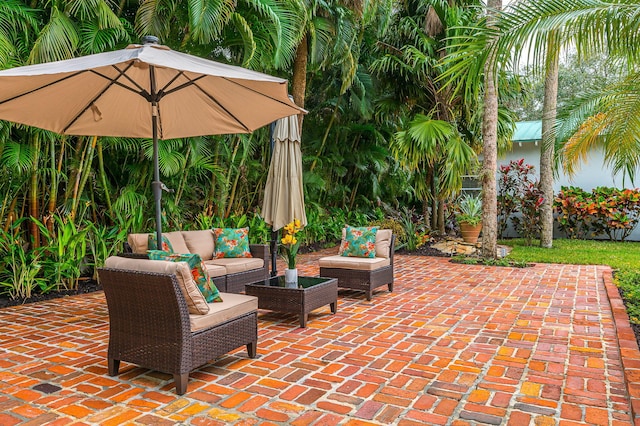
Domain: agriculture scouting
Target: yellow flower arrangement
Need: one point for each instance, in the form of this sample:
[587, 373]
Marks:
[290, 243]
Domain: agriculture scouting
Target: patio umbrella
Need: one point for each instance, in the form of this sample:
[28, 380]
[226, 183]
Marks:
[143, 91]
[283, 194]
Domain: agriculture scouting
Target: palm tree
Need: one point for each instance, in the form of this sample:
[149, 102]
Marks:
[490, 147]
[438, 138]
[547, 148]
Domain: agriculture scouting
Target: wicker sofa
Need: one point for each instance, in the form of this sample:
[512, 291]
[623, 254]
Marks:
[155, 320]
[229, 274]
[365, 274]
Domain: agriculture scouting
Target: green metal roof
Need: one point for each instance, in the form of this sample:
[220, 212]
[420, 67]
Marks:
[528, 131]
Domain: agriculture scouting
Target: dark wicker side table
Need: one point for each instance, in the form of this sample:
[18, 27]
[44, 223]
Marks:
[311, 293]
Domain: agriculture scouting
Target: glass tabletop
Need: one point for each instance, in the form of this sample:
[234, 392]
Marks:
[303, 282]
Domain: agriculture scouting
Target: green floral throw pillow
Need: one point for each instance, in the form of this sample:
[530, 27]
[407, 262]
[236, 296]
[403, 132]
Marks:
[198, 271]
[359, 242]
[153, 243]
[231, 242]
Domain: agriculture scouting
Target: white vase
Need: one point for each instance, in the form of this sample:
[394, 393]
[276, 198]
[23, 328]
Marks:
[291, 277]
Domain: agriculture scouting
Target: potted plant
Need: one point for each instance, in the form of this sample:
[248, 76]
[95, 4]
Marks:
[290, 244]
[470, 217]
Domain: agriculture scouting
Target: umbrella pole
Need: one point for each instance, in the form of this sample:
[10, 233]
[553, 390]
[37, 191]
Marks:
[274, 234]
[274, 252]
[157, 190]
[156, 185]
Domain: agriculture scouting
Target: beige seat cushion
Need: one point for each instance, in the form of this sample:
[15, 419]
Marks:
[383, 241]
[234, 265]
[234, 305]
[200, 242]
[140, 242]
[195, 300]
[359, 263]
[215, 270]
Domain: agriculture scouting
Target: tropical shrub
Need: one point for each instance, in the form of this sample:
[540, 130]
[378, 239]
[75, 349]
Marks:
[410, 223]
[575, 210]
[20, 267]
[104, 241]
[528, 223]
[605, 211]
[399, 228]
[64, 250]
[519, 199]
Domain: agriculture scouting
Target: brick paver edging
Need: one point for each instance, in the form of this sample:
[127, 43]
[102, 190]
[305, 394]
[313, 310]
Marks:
[630, 354]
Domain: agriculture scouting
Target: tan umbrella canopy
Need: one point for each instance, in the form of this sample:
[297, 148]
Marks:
[283, 194]
[143, 91]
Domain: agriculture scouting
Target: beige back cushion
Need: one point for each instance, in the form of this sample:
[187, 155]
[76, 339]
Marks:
[383, 241]
[195, 300]
[140, 242]
[200, 242]
[177, 242]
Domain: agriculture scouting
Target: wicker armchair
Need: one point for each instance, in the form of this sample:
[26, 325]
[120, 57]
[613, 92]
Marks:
[149, 325]
[361, 277]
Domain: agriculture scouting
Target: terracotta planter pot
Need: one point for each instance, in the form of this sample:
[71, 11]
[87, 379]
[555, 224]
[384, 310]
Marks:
[470, 232]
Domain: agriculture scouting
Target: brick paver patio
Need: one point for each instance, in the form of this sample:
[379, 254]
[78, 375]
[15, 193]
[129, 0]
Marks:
[454, 344]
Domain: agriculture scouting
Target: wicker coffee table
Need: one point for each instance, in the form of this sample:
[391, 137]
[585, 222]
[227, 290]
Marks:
[311, 293]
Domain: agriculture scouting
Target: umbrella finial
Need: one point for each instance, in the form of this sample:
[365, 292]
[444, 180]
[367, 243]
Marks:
[150, 39]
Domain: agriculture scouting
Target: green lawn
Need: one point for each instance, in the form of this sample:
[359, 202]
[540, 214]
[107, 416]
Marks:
[618, 255]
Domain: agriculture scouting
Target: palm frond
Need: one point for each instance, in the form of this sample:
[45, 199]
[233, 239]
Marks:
[248, 42]
[153, 17]
[606, 119]
[283, 26]
[207, 18]
[17, 157]
[58, 39]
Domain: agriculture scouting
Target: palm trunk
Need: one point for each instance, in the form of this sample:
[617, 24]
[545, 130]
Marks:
[547, 149]
[183, 180]
[103, 179]
[229, 199]
[34, 208]
[434, 199]
[73, 176]
[11, 215]
[53, 188]
[83, 176]
[234, 188]
[211, 205]
[440, 212]
[299, 78]
[490, 148]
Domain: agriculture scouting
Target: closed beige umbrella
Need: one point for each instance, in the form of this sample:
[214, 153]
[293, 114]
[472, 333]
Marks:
[143, 91]
[283, 194]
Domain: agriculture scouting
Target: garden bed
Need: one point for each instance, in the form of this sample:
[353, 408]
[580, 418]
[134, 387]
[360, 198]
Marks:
[85, 285]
